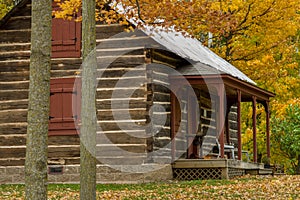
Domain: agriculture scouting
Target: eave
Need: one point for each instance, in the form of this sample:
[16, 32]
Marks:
[231, 84]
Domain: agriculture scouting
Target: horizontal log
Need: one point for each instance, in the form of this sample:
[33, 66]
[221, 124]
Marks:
[120, 150]
[14, 104]
[14, 85]
[161, 97]
[121, 93]
[206, 121]
[12, 161]
[21, 161]
[207, 113]
[17, 140]
[119, 114]
[20, 22]
[64, 140]
[65, 63]
[12, 152]
[126, 42]
[66, 151]
[106, 31]
[157, 119]
[124, 126]
[12, 140]
[14, 76]
[13, 94]
[168, 58]
[160, 88]
[18, 54]
[63, 73]
[123, 160]
[121, 51]
[53, 151]
[7, 47]
[162, 143]
[124, 61]
[158, 69]
[22, 65]
[166, 105]
[208, 130]
[14, 65]
[128, 103]
[138, 137]
[123, 83]
[71, 160]
[13, 128]
[16, 115]
[19, 35]
[126, 72]
[121, 104]
[160, 79]
[162, 133]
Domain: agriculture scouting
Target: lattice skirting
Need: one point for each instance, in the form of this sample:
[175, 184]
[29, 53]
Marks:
[233, 172]
[197, 173]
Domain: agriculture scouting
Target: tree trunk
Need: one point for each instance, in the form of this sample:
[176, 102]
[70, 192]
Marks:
[38, 108]
[88, 102]
[298, 165]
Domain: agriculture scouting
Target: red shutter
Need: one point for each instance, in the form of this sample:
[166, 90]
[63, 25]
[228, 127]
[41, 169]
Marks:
[63, 119]
[66, 37]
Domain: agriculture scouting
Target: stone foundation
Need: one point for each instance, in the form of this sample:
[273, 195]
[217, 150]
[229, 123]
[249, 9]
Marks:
[105, 174]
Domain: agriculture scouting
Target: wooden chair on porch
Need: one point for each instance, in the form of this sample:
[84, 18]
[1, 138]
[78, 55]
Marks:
[227, 148]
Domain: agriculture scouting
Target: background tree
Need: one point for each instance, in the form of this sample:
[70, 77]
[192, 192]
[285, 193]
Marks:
[5, 6]
[88, 104]
[38, 108]
[286, 132]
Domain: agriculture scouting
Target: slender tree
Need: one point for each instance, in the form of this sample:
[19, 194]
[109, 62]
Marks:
[38, 109]
[88, 108]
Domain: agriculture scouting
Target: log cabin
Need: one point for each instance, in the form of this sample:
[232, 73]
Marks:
[167, 106]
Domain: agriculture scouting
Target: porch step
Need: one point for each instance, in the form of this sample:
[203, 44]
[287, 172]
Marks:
[259, 171]
[265, 172]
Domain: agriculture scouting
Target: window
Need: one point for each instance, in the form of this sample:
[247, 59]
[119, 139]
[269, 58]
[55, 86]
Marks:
[66, 37]
[64, 106]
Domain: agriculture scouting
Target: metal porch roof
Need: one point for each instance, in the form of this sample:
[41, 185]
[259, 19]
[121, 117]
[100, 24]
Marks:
[191, 48]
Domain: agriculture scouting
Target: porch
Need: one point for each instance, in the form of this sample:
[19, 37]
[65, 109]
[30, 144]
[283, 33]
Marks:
[194, 169]
[200, 127]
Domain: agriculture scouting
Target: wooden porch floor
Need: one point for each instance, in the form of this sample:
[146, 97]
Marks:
[192, 169]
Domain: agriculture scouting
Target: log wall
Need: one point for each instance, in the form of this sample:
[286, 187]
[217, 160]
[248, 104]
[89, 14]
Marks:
[64, 150]
[14, 84]
[159, 140]
[121, 96]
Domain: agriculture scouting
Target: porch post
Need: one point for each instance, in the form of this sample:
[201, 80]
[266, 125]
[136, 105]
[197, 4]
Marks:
[173, 131]
[227, 125]
[239, 132]
[220, 122]
[254, 129]
[268, 128]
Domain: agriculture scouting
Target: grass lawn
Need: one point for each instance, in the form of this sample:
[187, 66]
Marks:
[247, 187]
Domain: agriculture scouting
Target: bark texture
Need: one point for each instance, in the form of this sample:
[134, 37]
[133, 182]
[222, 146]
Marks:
[298, 165]
[38, 108]
[88, 109]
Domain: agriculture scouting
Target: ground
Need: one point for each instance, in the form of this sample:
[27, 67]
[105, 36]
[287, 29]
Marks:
[247, 187]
